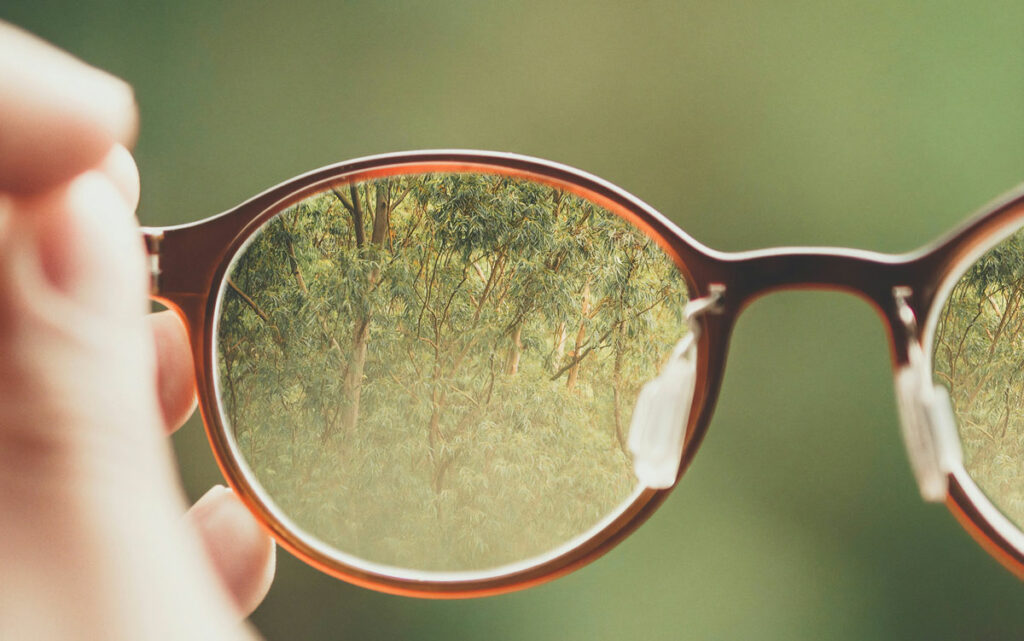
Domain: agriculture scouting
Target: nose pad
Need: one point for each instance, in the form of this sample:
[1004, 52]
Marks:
[929, 426]
[658, 428]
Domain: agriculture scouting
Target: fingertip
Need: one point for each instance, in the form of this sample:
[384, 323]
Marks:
[239, 549]
[119, 166]
[175, 377]
[61, 116]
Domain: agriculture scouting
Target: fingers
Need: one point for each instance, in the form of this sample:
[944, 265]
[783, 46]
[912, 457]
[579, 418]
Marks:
[60, 116]
[75, 346]
[239, 549]
[88, 245]
[175, 377]
[119, 167]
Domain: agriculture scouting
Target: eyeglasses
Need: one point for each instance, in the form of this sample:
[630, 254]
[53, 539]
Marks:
[460, 373]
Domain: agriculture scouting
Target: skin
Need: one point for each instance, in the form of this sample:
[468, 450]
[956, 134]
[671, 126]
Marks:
[95, 544]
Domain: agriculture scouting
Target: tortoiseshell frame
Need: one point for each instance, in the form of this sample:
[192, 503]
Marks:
[189, 263]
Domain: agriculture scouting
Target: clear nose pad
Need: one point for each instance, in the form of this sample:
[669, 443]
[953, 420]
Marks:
[658, 428]
[926, 413]
[657, 431]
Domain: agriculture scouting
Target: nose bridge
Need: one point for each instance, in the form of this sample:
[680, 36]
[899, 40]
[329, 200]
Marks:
[869, 275]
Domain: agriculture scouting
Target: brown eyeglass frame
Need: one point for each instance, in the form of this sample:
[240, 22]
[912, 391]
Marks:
[189, 263]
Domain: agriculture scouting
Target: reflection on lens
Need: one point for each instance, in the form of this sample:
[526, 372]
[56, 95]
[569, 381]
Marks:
[437, 372]
[979, 356]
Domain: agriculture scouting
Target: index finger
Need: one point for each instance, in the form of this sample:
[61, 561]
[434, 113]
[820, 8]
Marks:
[58, 116]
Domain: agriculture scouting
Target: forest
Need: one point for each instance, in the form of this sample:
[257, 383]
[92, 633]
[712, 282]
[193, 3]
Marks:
[979, 356]
[437, 371]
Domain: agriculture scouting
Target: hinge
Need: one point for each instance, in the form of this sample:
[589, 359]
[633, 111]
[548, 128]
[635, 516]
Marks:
[153, 238]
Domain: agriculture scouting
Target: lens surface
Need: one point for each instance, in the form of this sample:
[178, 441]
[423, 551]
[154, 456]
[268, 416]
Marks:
[978, 354]
[436, 372]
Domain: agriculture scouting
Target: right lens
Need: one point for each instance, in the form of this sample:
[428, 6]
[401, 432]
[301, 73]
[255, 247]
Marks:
[436, 372]
[978, 354]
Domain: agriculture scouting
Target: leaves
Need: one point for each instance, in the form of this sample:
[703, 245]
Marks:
[979, 356]
[407, 381]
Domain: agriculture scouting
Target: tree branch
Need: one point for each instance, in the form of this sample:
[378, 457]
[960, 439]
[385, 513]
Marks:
[604, 337]
[250, 302]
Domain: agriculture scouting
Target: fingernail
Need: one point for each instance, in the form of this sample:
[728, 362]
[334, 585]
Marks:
[238, 547]
[119, 167]
[89, 247]
[67, 237]
[212, 496]
[219, 509]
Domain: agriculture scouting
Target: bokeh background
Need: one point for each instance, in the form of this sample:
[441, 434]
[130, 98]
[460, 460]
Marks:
[869, 124]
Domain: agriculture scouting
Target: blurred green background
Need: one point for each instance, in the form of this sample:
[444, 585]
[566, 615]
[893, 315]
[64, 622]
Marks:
[870, 124]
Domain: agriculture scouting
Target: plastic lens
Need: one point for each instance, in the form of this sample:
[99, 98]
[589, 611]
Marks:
[436, 372]
[978, 354]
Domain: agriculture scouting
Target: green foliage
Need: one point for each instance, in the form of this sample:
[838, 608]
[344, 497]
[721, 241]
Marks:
[438, 371]
[979, 356]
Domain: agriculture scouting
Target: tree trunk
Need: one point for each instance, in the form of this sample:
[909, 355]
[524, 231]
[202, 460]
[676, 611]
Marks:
[354, 374]
[620, 433]
[515, 350]
[581, 336]
[361, 326]
[559, 344]
[434, 437]
[435, 425]
[381, 215]
[296, 272]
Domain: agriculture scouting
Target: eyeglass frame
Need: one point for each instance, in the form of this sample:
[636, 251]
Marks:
[189, 265]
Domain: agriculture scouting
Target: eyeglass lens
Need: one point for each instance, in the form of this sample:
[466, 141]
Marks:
[436, 372]
[978, 355]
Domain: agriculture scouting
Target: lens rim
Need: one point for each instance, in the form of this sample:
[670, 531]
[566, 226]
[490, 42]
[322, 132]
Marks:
[971, 506]
[228, 233]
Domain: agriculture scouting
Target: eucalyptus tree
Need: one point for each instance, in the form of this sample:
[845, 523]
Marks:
[979, 356]
[398, 370]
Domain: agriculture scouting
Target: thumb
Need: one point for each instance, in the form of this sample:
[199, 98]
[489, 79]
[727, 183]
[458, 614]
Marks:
[72, 329]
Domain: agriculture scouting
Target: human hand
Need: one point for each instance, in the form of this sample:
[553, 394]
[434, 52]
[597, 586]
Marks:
[94, 544]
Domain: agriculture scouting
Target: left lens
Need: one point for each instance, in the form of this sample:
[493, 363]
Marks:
[978, 355]
[435, 372]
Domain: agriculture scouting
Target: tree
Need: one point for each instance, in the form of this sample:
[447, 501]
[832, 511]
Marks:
[393, 355]
[978, 356]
